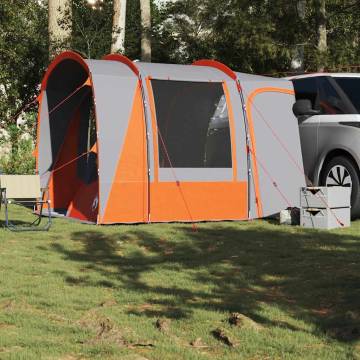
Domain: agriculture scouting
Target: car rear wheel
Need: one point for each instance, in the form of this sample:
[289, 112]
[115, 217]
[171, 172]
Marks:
[341, 171]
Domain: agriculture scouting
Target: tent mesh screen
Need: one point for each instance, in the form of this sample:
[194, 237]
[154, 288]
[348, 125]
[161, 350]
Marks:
[193, 124]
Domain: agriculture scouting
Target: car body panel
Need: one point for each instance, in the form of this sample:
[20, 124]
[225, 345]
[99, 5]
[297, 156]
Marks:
[323, 134]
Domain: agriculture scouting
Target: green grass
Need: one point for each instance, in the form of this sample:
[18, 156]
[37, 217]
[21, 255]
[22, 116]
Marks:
[91, 292]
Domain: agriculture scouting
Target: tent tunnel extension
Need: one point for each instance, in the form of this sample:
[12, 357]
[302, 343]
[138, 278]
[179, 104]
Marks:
[125, 142]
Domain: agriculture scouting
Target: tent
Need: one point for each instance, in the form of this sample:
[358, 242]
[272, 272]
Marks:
[131, 142]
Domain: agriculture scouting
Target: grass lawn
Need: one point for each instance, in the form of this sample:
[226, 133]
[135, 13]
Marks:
[91, 292]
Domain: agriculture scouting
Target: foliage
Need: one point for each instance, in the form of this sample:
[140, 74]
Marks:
[133, 30]
[19, 158]
[92, 29]
[23, 58]
[260, 36]
[256, 36]
[23, 54]
[344, 34]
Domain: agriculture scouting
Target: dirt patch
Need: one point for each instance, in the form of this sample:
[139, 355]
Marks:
[6, 326]
[8, 305]
[133, 357]
[108, 303]
[163, 325]
[198, 343]
[105, 330]
[220, 335]
[10, 349]
[241, 320]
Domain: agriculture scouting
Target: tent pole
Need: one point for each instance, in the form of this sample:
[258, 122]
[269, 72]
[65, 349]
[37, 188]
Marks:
[248, 145]
[145, 104]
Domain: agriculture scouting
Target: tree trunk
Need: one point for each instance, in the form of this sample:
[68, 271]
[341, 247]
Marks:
[118, 28]
[322, 34]
[297, 62]
[60, 25]
[146, 30]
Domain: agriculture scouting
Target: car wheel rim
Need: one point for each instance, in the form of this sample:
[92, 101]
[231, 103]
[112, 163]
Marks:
[339, 176]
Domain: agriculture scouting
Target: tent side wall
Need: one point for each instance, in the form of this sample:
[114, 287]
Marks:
[128, 197]
[276, 150]
[184, 187]
[121, 143]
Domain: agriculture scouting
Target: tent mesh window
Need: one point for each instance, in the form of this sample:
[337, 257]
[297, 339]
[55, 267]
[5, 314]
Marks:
[193, 124]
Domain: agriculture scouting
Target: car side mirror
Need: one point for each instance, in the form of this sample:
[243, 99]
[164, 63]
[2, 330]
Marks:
[303, 107]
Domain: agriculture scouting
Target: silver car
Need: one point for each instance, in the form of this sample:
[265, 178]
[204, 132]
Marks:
[328, 111]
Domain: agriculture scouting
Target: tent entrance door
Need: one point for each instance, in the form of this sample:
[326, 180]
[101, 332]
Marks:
[74, 179]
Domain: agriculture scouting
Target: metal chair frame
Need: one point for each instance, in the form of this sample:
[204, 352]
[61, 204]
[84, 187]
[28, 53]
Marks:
[33, 226]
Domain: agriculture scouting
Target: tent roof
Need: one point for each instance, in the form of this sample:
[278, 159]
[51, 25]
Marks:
[181, 72]
[251, 77]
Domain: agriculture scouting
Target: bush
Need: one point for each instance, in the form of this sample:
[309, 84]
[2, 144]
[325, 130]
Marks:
[20, 159]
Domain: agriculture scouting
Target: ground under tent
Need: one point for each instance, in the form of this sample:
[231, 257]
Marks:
[124, 142]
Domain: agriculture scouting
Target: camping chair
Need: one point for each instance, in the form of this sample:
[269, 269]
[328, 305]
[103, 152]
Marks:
[24, 190]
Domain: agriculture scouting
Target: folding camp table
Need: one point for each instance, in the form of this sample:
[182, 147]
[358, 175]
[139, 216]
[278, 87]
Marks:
[24, 190]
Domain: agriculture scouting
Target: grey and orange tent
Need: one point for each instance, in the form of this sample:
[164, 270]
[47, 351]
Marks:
[125, 142]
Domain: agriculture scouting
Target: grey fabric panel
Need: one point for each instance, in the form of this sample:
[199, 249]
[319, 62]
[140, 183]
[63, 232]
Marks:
[148, 116]
[276, 109]
[240, 133]
[107, 67]
[191, 174]
[44, 142]
[114, 89]
[181, 72]
[252, 77]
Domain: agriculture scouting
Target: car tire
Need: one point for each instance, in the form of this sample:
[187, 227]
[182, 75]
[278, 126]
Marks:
[343, 164]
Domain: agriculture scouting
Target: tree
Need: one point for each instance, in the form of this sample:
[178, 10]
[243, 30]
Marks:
[297, 63]
[23, 60]
[343, 32]
[145, 10]
[60, 25]
[23, 55]
[92, 28]
[322, 34]
[118, 27]
[255, 36]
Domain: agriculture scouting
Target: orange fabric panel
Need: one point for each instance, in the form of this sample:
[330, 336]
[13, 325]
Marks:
[195, 201]
[249, 112]
[64, 182]
[128, 196]
[85, 204]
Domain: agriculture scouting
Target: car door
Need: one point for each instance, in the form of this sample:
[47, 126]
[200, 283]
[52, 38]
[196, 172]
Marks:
[306, 88]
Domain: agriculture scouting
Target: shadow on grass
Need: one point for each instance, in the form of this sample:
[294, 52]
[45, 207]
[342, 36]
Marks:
[313, 276]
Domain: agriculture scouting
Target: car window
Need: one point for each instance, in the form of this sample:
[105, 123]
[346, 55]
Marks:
[307, 89]
[330, 101]
[351, 87]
